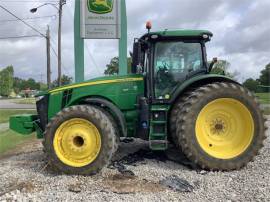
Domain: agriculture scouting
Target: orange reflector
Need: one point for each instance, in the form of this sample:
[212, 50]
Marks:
[148, 25]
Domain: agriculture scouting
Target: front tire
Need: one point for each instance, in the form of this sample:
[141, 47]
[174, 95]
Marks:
[80, 140]
[220, 127]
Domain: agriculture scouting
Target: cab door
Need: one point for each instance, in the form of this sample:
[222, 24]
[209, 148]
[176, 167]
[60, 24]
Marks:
[173, 62]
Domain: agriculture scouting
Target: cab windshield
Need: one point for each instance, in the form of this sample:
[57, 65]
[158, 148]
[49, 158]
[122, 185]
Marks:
[173, 63]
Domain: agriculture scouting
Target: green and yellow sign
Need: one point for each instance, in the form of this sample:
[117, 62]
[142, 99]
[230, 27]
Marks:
[101, 19]
[100, 6]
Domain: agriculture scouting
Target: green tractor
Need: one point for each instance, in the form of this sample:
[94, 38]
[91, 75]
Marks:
[170, 96]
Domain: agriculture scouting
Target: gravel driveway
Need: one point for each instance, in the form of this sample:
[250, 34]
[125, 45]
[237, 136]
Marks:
[26, 177]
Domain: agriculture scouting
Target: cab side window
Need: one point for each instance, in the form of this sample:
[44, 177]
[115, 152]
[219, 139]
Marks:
[174, 61]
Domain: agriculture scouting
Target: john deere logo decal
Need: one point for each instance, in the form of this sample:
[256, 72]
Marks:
[100, 6]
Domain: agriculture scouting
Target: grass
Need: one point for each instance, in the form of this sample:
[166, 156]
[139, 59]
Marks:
[24, 101]
[6, 113]
[264, 97]
[10, 139]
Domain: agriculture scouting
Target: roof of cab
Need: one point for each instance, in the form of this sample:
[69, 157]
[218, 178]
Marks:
[181, 33]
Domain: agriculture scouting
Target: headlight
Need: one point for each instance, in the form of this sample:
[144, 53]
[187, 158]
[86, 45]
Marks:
[39, 98]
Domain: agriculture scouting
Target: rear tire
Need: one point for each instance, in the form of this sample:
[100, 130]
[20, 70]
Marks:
[220, 127]
[174, 116]
[80, 140]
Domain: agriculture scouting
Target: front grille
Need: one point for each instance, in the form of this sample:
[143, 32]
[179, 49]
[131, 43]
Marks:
[42, 109]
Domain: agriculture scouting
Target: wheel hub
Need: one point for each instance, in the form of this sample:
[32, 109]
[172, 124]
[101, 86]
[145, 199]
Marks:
[77, 142]
[218, 126]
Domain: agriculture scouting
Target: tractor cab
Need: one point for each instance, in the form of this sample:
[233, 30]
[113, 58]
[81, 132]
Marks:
[169, 58]
[166, 59]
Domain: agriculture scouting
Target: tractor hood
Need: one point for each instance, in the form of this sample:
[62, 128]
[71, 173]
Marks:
[97, 81]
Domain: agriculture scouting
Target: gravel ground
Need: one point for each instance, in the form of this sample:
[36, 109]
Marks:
[25, 177]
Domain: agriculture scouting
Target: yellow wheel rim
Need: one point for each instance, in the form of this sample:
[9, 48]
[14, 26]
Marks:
[224, 128]
[77, 142]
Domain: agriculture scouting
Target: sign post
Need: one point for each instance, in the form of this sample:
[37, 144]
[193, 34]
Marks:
[78, 44]
[123, 41]
[99, 19]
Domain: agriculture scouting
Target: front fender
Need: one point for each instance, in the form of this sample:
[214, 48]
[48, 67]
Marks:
[199, 81]
[115, 111]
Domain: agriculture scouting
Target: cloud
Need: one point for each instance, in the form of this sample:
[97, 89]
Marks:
[251, 32]
[241, 34]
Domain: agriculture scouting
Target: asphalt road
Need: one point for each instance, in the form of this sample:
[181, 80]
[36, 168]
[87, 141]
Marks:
[7, 104]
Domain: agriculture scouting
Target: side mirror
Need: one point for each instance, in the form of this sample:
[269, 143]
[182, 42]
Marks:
[214, 61]
[136, 57]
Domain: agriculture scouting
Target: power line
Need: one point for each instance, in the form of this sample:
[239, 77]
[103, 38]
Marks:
[93, 59]
[19, 37]
[22, 21]
[56, 55]
[54, 51]
[32, 18]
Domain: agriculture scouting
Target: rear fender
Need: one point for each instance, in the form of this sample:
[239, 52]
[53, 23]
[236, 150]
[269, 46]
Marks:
[199, 81]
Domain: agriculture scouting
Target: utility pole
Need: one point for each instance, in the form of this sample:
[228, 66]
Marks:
[48, 45]
[61, 3]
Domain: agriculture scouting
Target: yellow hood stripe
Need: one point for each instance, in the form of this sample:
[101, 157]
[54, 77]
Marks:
[96, 83]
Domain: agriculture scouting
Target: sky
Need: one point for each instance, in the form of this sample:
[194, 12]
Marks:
[241, 31]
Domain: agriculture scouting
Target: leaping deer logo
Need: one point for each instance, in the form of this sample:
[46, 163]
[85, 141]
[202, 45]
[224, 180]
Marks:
[101, 3]
[100, 6]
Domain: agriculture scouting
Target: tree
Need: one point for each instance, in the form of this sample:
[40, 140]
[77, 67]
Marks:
[251, 84]
[32, 84]
[6, 80]
[265, 76]
[21, 84]
[43, 87]
[17, 84]
[65, 80]
[222, 68]
[113, 67]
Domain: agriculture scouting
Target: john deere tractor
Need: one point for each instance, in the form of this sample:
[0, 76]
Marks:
[169, 97]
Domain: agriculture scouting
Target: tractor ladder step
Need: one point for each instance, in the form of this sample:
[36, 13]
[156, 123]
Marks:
[158, 128]
[158, 145]
[162, 135]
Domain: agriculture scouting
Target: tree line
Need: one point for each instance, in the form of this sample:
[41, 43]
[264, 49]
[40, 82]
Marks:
[11, 84]
[262, 84]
